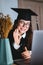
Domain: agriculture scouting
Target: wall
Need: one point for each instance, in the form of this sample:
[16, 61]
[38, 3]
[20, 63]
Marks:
[41, 17]
[6, 5]
[36, 7]
[5, 8]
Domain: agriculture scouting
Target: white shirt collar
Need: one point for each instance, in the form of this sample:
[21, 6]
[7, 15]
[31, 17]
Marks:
[24, 35]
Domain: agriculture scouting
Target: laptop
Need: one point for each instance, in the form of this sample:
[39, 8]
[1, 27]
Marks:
[37, 48]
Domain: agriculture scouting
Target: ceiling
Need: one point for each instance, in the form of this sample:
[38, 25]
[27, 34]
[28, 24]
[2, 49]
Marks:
[36, 0]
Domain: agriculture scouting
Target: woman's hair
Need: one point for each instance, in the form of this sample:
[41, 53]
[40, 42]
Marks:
[29, 35]
[16, 23]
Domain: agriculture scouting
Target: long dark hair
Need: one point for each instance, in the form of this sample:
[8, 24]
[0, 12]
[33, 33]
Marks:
[29, 35]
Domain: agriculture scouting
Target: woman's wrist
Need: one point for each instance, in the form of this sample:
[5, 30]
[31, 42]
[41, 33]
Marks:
[16, 46]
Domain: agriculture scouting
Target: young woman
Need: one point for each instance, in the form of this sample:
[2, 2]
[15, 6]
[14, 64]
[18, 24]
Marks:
[20, 33]
[18, 41]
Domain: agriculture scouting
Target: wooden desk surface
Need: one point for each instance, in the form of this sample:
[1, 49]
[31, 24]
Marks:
[14, 64]
[23, 62]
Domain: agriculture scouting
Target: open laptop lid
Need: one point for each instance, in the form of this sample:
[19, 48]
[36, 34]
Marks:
[37, 48]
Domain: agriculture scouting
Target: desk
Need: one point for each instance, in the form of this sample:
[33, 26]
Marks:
[23, 62]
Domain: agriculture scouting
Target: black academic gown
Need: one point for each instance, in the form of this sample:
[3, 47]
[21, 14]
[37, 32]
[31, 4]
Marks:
[17, 53]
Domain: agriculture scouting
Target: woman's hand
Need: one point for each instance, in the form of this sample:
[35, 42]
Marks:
[16, 36]
[26, 54]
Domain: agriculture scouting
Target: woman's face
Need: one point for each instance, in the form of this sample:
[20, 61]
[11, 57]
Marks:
[23, 26]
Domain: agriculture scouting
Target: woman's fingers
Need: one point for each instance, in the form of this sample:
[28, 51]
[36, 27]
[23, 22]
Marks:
[16, 36]
[25, 48]
[26, 55]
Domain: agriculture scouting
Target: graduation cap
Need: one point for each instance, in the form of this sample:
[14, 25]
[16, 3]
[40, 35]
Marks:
[24, 13]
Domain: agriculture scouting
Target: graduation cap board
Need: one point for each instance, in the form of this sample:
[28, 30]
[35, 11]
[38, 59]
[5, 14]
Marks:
[24, 13]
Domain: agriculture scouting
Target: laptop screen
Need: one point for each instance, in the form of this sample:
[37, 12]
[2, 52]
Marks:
[37, 48]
